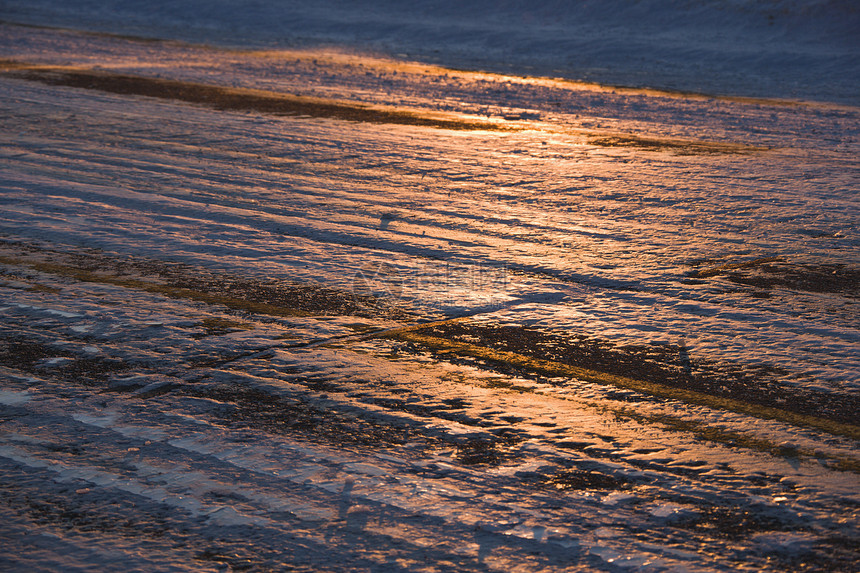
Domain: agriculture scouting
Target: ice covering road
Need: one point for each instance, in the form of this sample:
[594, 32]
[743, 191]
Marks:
[314, 309]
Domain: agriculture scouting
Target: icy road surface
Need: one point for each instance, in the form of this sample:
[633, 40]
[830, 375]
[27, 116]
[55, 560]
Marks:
[315, 310]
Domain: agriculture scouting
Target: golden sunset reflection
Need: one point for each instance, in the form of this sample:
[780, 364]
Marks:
[315, 307]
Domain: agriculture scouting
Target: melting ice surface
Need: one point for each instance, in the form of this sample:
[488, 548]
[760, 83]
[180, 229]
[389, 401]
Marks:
[721, 230]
